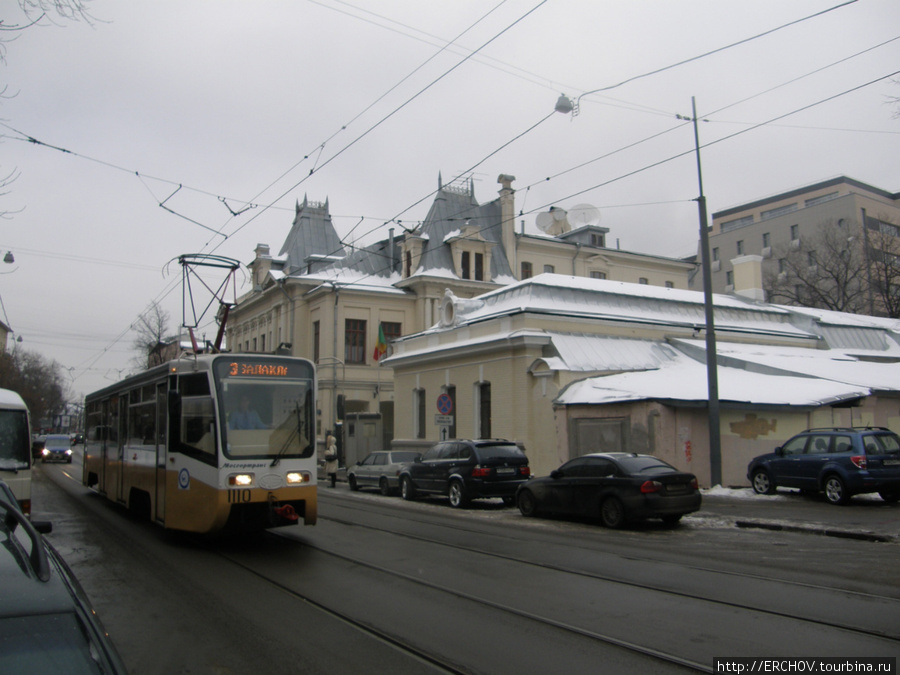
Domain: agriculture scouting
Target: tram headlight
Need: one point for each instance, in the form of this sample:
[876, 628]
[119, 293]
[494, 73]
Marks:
[241, 479]
[298, 477]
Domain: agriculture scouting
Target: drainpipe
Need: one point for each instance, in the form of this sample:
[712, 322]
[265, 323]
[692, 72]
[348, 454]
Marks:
[334, 355]
[291, 319]
[575, 257]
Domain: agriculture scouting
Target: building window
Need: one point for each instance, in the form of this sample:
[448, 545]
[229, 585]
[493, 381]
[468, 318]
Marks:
[598, 275]
[262, 343]
[526, 270]
[795, 232]
[392, 330]
[715, 254]
[643, 280]
[670, 284]
[597, 240]
[781, 267]
[780, 211]
[729, 278]
[316, 336]
[408, 264]
[740, 247]
[354, 341]
[464, 263]
[419, 412]
[483, 409]
[811, 258]
[479, 267]
[548, 269]
[254, 344]
[767, 240]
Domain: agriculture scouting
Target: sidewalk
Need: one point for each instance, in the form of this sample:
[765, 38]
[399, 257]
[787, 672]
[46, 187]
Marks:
[865, 517]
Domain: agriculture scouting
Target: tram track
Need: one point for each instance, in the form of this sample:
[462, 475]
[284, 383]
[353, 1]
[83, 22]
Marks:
[659, 588]
[441, 664]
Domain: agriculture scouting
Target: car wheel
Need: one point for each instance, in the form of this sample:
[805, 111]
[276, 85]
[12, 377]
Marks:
[612, 513]
[407, 489]
[527, 503]
[671, 521]
[352, 480]
[384, 486]
[762, 484]
[835, 490]
[457, 494]
[890, 496]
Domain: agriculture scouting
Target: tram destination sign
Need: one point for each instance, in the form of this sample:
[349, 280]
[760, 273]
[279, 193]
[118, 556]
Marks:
[263, 368]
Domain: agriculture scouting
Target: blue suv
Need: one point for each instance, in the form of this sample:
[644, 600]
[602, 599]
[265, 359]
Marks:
[841, 462]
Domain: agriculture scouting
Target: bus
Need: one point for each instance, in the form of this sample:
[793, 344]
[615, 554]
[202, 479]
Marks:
[15, 447]
[208, 443]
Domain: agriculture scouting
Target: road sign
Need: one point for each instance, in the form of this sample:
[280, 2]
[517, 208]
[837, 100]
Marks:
[445, 404]
[443, 420]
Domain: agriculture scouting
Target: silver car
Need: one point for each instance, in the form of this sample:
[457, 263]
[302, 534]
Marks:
[380, 469]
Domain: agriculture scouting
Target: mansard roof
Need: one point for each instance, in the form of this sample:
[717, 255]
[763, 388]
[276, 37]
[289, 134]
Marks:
[454, 208]
[312, 235]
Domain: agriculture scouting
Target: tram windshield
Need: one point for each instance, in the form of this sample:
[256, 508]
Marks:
[266, 416]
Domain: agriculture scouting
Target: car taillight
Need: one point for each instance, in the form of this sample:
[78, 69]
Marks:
[525, 470]
[695, 484]
[859, 461]
[651, 486]
[481, 472]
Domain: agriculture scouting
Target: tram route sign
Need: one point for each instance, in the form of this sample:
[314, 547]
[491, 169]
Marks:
[445, 404]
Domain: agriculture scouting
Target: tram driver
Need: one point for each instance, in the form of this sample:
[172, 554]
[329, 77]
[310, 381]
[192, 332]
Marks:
[245, 417]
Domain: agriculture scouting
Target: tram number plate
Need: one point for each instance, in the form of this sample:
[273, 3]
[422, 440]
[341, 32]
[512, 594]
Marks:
[239, 496]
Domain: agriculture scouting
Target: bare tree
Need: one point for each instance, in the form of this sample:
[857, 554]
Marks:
[39, 12]
[40, 382]
[151, 329]
[883, 252]
[827, 270]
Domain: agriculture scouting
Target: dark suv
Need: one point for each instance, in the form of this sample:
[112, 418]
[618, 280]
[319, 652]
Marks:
[841, 462]
[46, 622]
[466, 470]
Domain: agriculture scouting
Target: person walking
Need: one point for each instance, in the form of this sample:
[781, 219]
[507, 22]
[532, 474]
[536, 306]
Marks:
[331, 457]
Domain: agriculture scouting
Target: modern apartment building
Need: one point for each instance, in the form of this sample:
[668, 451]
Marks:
[792, 220]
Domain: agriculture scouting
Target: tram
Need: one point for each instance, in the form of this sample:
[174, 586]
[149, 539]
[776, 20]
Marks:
[208, 443]
[15, 447]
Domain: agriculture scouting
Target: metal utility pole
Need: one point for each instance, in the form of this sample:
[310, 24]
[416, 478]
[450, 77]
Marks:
[712, 377]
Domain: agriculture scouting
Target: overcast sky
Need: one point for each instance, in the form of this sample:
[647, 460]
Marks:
[365, 102]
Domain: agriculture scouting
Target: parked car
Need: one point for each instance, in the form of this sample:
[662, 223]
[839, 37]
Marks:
[47, 624]
[839, 461]
[57, 448]
[466, 470]
[381, 470]
[616, 487]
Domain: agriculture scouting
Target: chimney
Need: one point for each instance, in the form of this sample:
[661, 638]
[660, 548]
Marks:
[508, 218]
[748, 277]
[261, 264]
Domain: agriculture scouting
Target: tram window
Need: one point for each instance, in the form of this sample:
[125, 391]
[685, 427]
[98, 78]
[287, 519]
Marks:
[193, 385]
[198, 428]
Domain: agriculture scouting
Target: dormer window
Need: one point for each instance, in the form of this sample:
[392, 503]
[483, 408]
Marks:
[471, 254]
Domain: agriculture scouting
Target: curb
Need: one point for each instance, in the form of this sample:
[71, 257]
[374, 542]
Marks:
[844, 534]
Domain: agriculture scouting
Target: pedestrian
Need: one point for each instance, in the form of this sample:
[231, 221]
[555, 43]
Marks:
[331, 457]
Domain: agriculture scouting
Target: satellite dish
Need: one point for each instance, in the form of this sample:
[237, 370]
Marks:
[559, 215]
[582, 215]
[544, 221]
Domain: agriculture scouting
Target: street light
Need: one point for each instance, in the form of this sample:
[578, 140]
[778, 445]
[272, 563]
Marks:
[565, 105]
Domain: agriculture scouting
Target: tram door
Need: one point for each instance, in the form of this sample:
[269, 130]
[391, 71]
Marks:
[161, 428]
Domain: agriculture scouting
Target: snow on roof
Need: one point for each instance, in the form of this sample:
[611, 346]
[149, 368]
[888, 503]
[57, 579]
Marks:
[618, 301]
[826, 364]
[686, 381]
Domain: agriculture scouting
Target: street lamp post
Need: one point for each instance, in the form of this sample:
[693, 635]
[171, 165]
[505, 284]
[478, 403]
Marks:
[712, 377]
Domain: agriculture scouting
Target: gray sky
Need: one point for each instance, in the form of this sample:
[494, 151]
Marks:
[364, 103]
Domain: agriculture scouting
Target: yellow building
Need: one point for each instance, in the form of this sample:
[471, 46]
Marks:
[325, 300]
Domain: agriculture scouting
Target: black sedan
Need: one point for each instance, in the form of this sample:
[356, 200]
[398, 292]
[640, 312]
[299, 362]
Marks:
[615, 487]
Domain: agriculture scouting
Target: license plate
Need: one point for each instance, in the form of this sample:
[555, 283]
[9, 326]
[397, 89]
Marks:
[505, 471]
[892, 462]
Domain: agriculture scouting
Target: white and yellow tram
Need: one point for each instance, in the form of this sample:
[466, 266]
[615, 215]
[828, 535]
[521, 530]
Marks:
[208, 443]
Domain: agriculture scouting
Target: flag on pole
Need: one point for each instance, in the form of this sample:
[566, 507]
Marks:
[380, 345]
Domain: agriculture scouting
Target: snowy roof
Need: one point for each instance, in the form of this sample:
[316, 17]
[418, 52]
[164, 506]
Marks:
[685, 380]
[617, 301]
